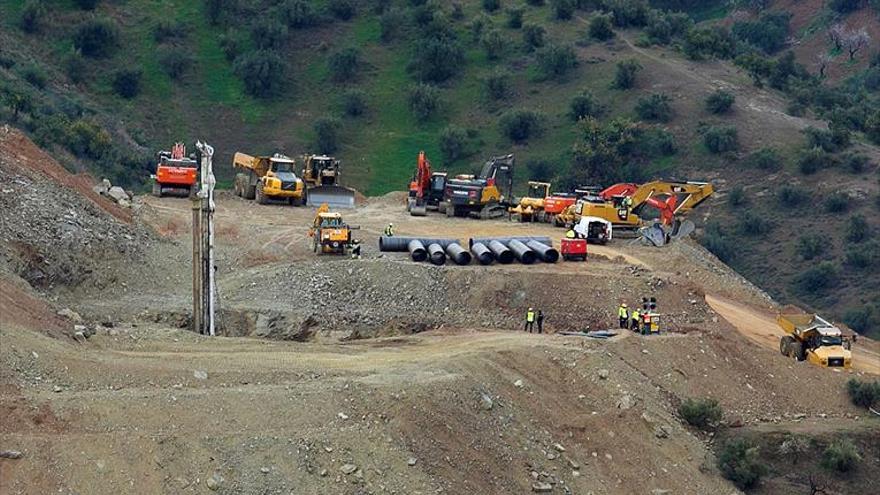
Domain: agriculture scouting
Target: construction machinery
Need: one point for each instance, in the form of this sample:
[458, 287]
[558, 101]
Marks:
[267, 177]
[594, 229]
[483, 196]
[175, 172]
[810, 337]
[573, 249]
[321, 176]
[540, 205]
[329, 233]
[426, 188]
[627, 206]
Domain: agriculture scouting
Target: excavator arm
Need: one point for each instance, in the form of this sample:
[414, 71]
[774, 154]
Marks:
[670, 198]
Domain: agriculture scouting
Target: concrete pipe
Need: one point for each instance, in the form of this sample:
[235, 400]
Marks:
[401, 244]
[458, 254]
[506, 240]
[482, 253]
[502, 254]
[522, 252]
[545, 252]
[436, 254]
[417, 250]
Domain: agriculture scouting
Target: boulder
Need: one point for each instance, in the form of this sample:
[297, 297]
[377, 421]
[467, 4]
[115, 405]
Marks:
[118, 194]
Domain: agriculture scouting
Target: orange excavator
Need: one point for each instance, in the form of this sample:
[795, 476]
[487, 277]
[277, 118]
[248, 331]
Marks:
[426, 188]
[175, 172]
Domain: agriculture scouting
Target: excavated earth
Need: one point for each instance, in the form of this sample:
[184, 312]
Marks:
[376, 375]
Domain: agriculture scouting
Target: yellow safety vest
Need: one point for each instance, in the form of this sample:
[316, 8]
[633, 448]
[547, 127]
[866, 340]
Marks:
[621, 311]
[389, 231]
[635, 314]
[530, 316]
[570, 234]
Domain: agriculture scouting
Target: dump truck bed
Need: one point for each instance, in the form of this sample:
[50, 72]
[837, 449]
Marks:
[791, 323]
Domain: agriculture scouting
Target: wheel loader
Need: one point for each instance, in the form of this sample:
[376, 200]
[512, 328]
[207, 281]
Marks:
[321, 175]
[267, 178]
[329, 233]
[812, 338]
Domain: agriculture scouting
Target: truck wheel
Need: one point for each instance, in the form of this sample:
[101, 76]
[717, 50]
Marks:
[450, 211]
[797, 349]
[785, 345]
[157, 190]
[261, 198]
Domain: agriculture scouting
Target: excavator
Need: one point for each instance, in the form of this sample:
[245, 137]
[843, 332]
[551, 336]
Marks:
[539, 205]
[624, 205]
[175, 172]
[483, 196]
[426, 188]
[321, 176]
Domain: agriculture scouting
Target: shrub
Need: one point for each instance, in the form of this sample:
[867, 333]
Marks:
[628, 12]
[857, 229]
[863, 394]
[540, 169]
[556, 60]
[563, 10]
[174, 62]
[655, 142]
[453, 140]
[720, 101]
[830, 141]
[717, 243]
[836, 203]
[816, 280]
[491, 5]
[75, 68]
[343, 64]
[791, 196]
[625, 77]
[298, 14]
[230, 45]
[811, 161]
[740, 463]
[520, 125]
[767, 33]
[35, 76]
[437, 57]
[809, 246]
[32, 16]
[855, 163]
[535, 3]
[702, 43]
[662, 27]
[515, 18]
[736, 197]
[262, 72]
[720, 138]
[754, 225]
[423, 100]
[268, 34]
[841, 456]
[765, 159]
[533, 36]
[166, 30]
[326, 130]
[584, 105]
[127, 82]
[96, 38]
[87, 139]
[497, 85]
[600, 28]
[86, 4]
[654, 107]
[354, 102]
[219, 10]
[341, 9]
[859, 257]
[845, 6]
[390, 23]
[494, 44]
[700, 413]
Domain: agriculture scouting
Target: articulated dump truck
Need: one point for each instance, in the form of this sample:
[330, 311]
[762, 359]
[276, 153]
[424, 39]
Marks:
[811, 338]
[267, 178]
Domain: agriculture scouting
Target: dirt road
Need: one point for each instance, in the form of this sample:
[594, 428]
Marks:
[761, 328]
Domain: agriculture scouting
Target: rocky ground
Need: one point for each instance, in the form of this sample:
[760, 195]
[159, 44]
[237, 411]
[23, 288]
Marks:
[376, 375]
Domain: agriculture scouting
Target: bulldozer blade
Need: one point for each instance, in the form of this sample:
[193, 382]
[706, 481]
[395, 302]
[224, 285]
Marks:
[334, 196]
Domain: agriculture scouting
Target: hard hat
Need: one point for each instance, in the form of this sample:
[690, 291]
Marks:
[623, 305]
[391, 225]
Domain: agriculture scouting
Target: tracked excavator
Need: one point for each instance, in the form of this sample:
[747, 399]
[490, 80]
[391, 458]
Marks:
[426, 188]
[321, 176]
[627, 207]
[483, 196]
[175, 172]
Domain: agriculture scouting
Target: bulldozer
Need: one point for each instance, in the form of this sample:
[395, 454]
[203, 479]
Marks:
[321, 175]
[483, 196]
[175, 172]
[812, 338]
[425, 189]
[267, 178]
[329, 233]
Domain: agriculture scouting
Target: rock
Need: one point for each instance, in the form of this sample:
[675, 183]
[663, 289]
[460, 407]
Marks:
[124, 203]
[518, 384]
[541, 487]
[213, 483]
[603, 374]
[200, 374]
[658, 491]
[626, 402]
[662, 431]
[100, 189]
[10, 454]
[105, 183]
[348, 468]
[551, 455]
[118, 194]
[265, 470]
[647, 418]
[70, 315]
[56, 389]
[800, 416]
[573, 464]
[324, 473]
[558, 447]
[342, 416]
[411, 461]
[486, 402]
[645, 351]
[79, 337]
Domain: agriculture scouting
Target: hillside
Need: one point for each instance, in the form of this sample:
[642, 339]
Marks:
[784, 216]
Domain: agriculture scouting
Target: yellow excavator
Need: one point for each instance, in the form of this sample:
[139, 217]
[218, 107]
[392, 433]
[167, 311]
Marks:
[329, 233]
[267, 177]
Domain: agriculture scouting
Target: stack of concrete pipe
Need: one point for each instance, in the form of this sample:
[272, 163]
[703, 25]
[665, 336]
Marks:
[420, 249]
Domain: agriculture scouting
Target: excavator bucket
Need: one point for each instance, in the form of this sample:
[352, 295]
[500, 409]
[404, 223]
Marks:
[335, 196]
[685, 228]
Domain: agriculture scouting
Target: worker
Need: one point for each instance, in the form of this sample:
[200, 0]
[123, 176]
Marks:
[356, 250]
[646, 323]
[570, 234]
[540, 318]
[530, 320]
[635, 320]
[389, 230]
[623, 315]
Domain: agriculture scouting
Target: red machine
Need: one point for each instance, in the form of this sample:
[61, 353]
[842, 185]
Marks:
[426, 188]
[664, 203]
[554, 205]
[573, 249]
[175, 172]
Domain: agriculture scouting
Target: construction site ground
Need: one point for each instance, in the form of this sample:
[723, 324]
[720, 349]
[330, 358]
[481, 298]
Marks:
[376, 375]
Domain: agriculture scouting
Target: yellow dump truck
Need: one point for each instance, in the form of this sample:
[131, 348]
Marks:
[267, 177]
[810, 337]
